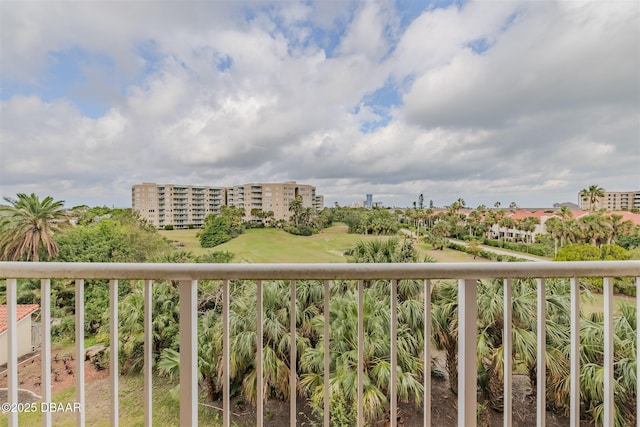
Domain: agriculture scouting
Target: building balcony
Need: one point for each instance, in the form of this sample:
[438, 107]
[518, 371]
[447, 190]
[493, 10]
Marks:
[188, 276]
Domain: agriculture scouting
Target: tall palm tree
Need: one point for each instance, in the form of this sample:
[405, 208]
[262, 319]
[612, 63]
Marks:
[28, 226]
[592, 195]
[617, 227]
[507, 223]
[529, 226]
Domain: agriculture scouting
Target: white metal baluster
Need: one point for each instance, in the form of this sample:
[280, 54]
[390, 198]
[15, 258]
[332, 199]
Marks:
[467, 349]
[80, 395]
[188, 352]
[427, 353]
[226, 357]
[541, 371]
[507, 341]
[360, 353]
[259, 355]
[327, 355]
[638, 352]
[293, 357]
[148, 353]
[45, 350]
[12, 349]
[608, 352]
[113, 358]
[393, 395]
[574, 415]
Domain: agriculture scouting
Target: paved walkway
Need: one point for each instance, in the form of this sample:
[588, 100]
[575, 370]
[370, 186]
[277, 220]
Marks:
[488, 248]
[502, 252]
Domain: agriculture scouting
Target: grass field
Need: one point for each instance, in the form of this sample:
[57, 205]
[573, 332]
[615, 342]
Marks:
[277, 246]
[597, 305]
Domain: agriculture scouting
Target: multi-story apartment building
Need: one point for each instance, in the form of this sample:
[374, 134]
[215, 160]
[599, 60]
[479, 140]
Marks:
[176, 205]
[272, 197]
[183, 205]
[614, 201]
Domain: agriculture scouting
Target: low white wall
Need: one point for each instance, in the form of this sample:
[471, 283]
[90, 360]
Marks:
[24, 340]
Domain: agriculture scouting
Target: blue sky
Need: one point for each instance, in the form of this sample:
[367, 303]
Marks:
[489, 101]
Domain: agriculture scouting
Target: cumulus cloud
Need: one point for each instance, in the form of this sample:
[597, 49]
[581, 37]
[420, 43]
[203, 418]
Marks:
[511, 101]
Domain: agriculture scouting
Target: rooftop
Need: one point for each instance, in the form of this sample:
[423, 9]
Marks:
[23, 311]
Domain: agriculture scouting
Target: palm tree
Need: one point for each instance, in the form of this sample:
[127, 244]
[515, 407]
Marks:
[529, 226]
[554, 229]
[594, 229]
[296, 207]
[28, 226]
[617, 227]
[507, 223]
[592, 195]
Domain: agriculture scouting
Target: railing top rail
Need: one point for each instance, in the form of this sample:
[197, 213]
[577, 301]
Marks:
[167, 271]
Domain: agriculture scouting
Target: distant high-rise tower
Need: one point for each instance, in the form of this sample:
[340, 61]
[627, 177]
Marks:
[369, 202]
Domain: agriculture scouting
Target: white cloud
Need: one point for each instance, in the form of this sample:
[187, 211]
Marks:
[213, 94]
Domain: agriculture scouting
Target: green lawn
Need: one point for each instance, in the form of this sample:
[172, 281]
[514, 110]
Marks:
[187, 238]
[277, 246]
[597, 305]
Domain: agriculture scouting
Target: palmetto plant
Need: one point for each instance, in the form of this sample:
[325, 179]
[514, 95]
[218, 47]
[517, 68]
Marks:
[383, 251]
[376, 348]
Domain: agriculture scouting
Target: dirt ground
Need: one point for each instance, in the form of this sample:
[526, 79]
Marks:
[444, 408]
[63, 369]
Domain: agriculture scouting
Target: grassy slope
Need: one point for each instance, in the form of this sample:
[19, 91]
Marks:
[277, 246]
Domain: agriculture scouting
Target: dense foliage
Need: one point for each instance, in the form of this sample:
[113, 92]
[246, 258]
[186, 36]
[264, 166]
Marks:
[582, 252]
[108, 235]
[374, 221]
[217, 230]
[120, 237]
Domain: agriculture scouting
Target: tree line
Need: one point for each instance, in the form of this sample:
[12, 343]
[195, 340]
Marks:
[104, 235]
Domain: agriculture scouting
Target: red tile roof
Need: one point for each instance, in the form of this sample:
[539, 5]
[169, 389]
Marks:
[521, 214]
[23, 311]
[626, 216]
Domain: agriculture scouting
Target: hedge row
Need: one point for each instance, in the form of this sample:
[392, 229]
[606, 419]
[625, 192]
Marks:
[485, 254]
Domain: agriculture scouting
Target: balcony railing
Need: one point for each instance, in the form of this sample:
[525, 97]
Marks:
[188, 276]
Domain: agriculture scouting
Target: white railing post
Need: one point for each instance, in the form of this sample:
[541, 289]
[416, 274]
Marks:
[608, 352]
[12, 349]
[541, 368]
[327, 355]
[360, 353]
[293, 357]
[226, 357]
[259, 355]
[80, 396]
[188, 352]
[507, 341]
[427, 354]
[45, 351]
[467, 350]
[637, 352]
[148, 352]
[393, 386]
[113, 357]
[574, 414]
